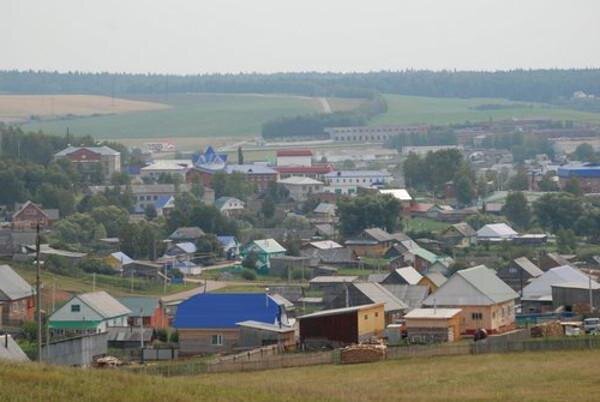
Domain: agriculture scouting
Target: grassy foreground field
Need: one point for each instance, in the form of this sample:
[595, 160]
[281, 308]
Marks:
[552, 376]
[424, 110]
[190, 115]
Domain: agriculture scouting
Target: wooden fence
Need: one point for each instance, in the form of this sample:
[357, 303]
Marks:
[267, 360]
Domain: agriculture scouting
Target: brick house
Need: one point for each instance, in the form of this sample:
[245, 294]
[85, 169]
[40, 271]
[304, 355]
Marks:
[17, 298]
[30, 214]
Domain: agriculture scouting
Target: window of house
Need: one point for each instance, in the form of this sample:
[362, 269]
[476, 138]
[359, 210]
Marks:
[376, 314]
[366, 316]
[216, 340]
[75, 308]
[476, 316]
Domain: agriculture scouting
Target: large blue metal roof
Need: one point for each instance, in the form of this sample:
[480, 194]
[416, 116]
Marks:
[579, 171]
[224, 310]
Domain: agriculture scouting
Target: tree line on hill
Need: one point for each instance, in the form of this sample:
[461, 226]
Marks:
[543, 85]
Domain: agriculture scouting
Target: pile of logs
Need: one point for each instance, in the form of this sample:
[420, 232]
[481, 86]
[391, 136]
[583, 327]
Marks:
[362, 353]
[552, 328]
[107, 362]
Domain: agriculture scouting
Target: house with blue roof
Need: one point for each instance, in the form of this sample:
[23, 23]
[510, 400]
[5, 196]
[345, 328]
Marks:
[208, 322]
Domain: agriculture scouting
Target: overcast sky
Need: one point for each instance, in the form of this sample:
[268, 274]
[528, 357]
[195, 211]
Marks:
[204, 36]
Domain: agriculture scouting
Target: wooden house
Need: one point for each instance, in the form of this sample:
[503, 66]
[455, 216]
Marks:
[145, 310]
[29, 215]
[144, 270]
[486, 302]
[17, 302]
[518, 273]
[459, 235]
[403, 276]
[551, 260]
[342, 326]
[361, 293]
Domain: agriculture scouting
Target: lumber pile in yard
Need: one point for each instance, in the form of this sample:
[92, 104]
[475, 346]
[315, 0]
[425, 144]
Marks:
[548, 329]
[362, 353]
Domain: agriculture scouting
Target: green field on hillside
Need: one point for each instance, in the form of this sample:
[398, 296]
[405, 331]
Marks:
[551, 376]
[190, 115]
[424, 110]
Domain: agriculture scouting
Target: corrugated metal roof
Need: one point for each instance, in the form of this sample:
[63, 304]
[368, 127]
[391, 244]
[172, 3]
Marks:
[336, 311]
[299, 180]
[12, 285]
[104, 304]
[528, 266]
[378, 294]
[410, 275]
[398, 193]
[411, 295]
[265, 326]
[437, 278]
[12, 351]
[187, 247]
[542, 285]
[187, 232]
[269, 246]
[140, 306]
[122, 257]
[250, 169]
[333, 279]
[325, 244]
[472, 286]
[501, 230]
[225, 310]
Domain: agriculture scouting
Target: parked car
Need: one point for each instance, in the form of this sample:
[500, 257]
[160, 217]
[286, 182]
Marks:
[591, 325]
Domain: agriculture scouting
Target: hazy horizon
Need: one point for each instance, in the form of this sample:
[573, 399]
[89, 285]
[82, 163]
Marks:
[268, 36]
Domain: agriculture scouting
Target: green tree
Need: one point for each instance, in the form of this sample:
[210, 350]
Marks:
[99, 232]
[111, 217]
[464, 189]
[365, 211]
[585, 153]
[556, 211]
[588, 224]
[519, 182]
[547, 183]
[566, 241]
[53, 197]
[268, 207]
[573, 186]
[517, 209]
[150, 212]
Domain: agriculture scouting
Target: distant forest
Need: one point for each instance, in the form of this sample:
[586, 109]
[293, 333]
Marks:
[521, 85]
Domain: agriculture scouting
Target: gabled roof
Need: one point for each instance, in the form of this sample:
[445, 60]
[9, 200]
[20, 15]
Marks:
[123, 258]
[398, 193]
[330, 256]
[325, 208]
[541, 286]
[187, 247]
[221, 201]
[12, 351]
[103, 150]
[266, 326]
[437, 278]
[557, 258]
[525, 264]
[411, 295]
[225, 310]
[269, 246]
[226, 240]
[325, 244]
[478, 286]
[104, 304]
[377, 278]
[379, 294]
[425, 254]
[410, 275]
[140, 306]
[12, 286]
[27, 204]
[250, 169]
[464, 229]
[501, 230]
[186, 233]
[377, 234]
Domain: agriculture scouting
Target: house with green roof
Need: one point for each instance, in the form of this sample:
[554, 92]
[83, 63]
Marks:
[89, 313]
[263, 250]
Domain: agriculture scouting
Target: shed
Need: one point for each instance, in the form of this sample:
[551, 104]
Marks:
[342, 326]
[433, 324]
[254, 334]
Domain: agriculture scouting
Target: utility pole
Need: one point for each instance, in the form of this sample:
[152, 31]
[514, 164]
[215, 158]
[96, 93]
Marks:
[142, 328]
[591, 293]
[93, 281]
[38, 294]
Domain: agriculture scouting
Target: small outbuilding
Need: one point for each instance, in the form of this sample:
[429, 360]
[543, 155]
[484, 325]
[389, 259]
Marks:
[433, 324]
[254, 334]
[342, 326]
